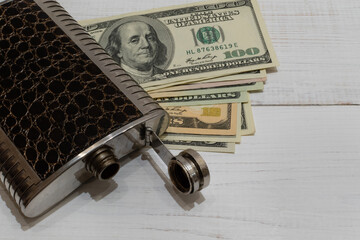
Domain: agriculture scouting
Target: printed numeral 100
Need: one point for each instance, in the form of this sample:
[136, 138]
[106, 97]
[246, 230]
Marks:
[240, 53]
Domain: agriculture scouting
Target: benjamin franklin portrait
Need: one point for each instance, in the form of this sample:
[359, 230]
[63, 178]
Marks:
[136, 47]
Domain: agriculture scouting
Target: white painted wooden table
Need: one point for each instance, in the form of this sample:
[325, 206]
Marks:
[297, 178]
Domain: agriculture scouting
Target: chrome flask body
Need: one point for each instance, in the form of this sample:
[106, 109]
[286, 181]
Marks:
[68, 112]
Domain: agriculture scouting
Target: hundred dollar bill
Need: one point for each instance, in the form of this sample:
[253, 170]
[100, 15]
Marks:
[196, 41]
[208, 83]
[205, 98]
[258, 86]
[247, 120]
[220, 119]
[221, 147]
[255, 76]
[258, 76]
[213, 138]
[164, 87]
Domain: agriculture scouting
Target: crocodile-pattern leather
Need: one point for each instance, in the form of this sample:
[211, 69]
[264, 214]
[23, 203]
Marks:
[54, 102]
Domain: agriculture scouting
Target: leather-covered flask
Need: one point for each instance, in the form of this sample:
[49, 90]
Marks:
[69, 112]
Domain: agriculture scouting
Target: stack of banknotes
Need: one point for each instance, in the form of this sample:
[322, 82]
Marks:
[199, 62]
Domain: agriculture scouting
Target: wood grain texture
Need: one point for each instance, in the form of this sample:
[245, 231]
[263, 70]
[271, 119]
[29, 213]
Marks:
[317, 43]
[297, 178]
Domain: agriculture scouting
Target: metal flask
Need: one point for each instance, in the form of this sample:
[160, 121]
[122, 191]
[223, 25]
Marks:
[69, 112]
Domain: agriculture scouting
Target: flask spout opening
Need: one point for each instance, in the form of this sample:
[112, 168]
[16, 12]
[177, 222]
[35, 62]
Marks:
[102, 163]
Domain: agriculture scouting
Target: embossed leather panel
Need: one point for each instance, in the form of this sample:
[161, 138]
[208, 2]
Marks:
[54, 102]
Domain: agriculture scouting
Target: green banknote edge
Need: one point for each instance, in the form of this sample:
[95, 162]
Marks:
[248, 124]
[257, 86]
[205, 99]
[220, 147]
